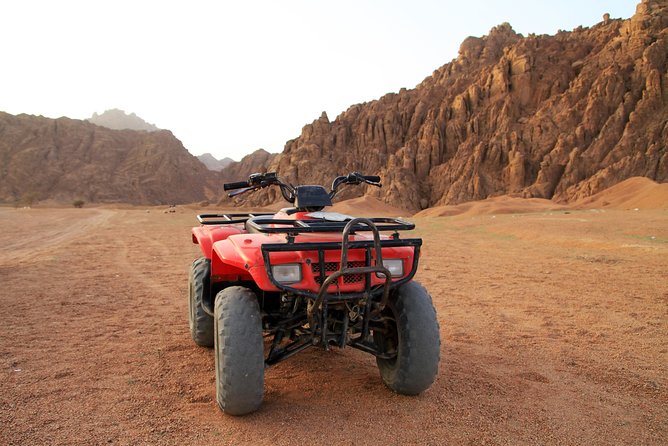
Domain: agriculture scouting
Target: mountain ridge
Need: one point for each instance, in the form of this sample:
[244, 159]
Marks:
[559, 117]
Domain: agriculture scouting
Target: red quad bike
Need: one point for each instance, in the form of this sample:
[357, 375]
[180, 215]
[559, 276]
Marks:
[302, 278]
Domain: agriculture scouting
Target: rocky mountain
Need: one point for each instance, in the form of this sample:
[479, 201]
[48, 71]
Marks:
[66, 159]
[212, 163]
[257, 161]
[119, 120]
[559, 117]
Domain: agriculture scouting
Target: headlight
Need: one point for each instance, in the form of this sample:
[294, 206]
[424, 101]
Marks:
[394, 266]
[288, 273]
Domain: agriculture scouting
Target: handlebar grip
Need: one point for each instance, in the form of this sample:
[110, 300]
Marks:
[372, 178]
[236, 185]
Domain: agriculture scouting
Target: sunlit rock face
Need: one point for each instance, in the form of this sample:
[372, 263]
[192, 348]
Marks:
[559, 117]
[66, 159]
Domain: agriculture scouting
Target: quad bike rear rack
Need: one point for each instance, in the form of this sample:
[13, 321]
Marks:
[294, 227]
[228, 219]
[317, 311]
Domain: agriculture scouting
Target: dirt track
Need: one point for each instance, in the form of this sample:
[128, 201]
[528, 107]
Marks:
[554, 330]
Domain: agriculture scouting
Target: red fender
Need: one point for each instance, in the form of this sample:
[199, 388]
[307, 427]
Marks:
[206, 236]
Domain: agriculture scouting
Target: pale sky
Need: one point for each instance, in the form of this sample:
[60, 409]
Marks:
[229, 77]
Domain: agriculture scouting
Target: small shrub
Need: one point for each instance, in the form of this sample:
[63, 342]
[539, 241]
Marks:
[78, 203]
[29, 198]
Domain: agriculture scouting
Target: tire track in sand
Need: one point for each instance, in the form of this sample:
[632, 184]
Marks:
[24, 240]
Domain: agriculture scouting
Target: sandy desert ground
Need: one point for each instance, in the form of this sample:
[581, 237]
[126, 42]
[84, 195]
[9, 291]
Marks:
[554, 327]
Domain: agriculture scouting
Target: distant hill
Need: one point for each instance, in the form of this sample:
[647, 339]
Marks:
[119, 120]
[212, 163]
[67, 159]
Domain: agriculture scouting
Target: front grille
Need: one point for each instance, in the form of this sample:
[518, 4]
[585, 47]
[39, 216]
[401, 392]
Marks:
[331, 267]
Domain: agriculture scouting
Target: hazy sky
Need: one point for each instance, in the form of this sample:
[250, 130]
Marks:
[229, 77]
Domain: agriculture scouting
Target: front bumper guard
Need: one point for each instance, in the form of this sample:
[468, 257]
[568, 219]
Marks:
[317, 312]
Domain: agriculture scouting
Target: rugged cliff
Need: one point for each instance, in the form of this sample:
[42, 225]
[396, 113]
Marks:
[559, 117]
[66, 159]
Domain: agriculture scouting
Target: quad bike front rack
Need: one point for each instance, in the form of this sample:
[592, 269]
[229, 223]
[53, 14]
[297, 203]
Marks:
[374, 298]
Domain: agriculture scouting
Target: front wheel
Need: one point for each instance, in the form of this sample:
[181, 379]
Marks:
[239, 351]
[411, 331]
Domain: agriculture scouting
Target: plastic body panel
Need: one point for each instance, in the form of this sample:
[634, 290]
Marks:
[236, 255]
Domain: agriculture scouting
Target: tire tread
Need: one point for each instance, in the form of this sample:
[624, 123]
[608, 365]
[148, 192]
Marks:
[416, 365]
[239, 351]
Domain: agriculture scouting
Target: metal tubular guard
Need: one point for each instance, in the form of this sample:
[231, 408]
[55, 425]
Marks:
[228, 219]
[267, 249]
[378, 268]
[277, 226]
[322, 298]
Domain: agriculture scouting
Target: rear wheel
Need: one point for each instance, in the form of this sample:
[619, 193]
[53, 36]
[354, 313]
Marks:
[411, 331]
[201, 323]
[239, 351]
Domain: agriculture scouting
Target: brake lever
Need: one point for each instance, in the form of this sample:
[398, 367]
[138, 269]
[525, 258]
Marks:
[361, 179]
[242, 191]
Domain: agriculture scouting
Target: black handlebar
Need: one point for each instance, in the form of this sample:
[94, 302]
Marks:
[354, 178]
[235, 185]
[261, 180]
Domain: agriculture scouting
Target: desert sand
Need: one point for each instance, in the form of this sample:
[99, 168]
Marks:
[554, 329]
